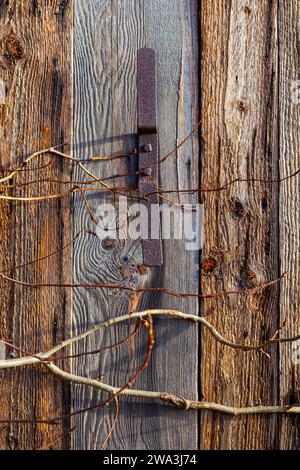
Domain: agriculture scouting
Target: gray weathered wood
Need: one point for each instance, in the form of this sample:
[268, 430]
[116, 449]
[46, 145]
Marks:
[106, 38]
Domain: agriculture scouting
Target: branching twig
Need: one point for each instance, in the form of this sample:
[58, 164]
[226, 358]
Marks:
[9, 363]
[27, 160]
[53, 150]
[58, 438]
[165, 397]
[76, 189]
[100, 350]
[43, 258]
[113, 425]
[160, 290]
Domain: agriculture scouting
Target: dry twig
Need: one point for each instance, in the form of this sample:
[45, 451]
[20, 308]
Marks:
[160, 290]
[165, 397]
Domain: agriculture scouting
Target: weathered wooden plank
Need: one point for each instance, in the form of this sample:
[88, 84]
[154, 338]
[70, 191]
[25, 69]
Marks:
[239, 72]
[289, 204]
[35, 45]
[106, 38]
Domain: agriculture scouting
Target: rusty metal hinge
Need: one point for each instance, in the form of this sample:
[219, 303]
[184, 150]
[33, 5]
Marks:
[148, 156]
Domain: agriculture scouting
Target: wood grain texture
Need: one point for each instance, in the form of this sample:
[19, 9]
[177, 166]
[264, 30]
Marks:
[249, 57]
[106, 38]
[239, 71]
[289, 204]
[35, 58]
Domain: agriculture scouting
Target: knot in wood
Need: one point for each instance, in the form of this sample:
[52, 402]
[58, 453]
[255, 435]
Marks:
[14, 50]
[237, 209]
[242, 106]
[247, 10]
[208, 265]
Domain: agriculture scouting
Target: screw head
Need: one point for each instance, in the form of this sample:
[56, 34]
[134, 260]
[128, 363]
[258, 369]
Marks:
[148, 171]
[148, 148]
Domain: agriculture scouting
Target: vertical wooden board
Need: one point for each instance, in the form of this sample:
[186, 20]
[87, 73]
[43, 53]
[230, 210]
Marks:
[103, 126]
[239, 72]
[289, 138]
[172, 29]
[107, 36]
[35, 45]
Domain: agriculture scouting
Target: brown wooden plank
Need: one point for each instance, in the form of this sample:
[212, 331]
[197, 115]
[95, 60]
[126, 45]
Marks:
[35, 45]
[106, 38]
[239, 72]
[289, 138]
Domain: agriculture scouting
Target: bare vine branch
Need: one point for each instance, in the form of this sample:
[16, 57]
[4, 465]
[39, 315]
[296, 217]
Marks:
[58, 438]
[180, 402]
[161, 290]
